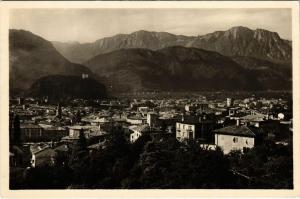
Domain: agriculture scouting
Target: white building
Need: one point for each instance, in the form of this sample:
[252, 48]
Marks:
[229, 102]
[185, 130]
[234, 137]
[137, 131]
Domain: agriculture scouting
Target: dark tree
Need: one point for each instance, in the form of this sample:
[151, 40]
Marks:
[11, 132]
[17, 131]
[82, 140]
[79, 157]
[77, 117]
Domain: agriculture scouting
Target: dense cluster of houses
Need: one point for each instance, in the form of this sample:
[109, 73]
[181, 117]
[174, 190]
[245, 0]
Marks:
[48, 131]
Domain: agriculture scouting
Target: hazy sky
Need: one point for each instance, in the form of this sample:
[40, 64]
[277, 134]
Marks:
[88, 25]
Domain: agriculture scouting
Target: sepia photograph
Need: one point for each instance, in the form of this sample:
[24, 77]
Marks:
[158, 98]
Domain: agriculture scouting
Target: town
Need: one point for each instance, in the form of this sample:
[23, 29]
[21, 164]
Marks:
[47, 133]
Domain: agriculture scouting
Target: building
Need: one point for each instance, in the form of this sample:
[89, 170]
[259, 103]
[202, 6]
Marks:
[229, 102]
[74, 132]
[104, 124]
[138, 131]
[203, 107]
[42, 155]
[152, 119]
[52, 133]
[190, 107]
[235, 137]
[31, 132]
[135, 120]
[41, 133]
[253, 119]
[187, 130]
[195, 128]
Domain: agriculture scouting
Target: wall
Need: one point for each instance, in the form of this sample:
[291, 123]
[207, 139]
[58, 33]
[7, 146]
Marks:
[183, 131]
[227, 144]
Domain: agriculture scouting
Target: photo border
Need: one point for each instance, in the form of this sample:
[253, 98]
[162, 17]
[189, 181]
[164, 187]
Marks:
[145, 193]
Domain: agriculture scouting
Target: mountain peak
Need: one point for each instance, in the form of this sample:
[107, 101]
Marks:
[236, 41]
[239, 28]
[260, 33]
[141, 31]
[239, 31]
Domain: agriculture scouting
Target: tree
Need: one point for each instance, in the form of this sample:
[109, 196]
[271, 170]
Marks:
[79, 157]
[11, 120]
[77, 117]
[82, 140]
[269, 165]
[17, 131]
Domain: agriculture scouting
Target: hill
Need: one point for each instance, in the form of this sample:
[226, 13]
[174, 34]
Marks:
[59, 87]
[177, 68]
[32, 57]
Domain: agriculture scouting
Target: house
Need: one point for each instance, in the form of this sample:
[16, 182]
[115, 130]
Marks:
[52, 133]
[235, 137]
[187, 130]
[253, 119]
[31, 132]
[137, 131]
[42, 155]
[104, 124]
[192, 128]
[74, 132]
[135, 120]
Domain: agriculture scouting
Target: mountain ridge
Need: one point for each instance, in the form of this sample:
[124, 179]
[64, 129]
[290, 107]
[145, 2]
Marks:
[181, 68]
[237, 41]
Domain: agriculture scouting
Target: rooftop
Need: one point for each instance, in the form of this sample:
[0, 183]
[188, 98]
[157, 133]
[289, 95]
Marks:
[235, 130]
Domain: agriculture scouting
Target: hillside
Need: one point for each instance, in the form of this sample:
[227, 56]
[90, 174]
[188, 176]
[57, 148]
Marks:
[59, 87]
[176, 68]
[32, 57]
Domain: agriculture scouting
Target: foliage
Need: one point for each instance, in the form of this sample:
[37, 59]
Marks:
[268, 166]
[79, 157]
[165, 164]
[17, 131]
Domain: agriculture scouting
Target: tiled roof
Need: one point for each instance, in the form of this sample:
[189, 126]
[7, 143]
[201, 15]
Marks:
[78, 127]
[257, 117]
[140, 128]
[235, 130]
[30, 126]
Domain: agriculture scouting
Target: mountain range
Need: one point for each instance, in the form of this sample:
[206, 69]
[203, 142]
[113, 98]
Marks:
[237, 41]
[180, 68]
[237, 59]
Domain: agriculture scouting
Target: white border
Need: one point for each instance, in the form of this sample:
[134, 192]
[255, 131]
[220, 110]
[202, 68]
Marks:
[187, 193]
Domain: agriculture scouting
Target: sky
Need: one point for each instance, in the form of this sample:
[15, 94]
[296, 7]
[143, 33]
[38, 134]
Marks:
[88, 25]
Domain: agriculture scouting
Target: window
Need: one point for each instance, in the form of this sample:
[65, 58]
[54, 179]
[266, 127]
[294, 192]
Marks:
[247, 142]
[235, 140]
